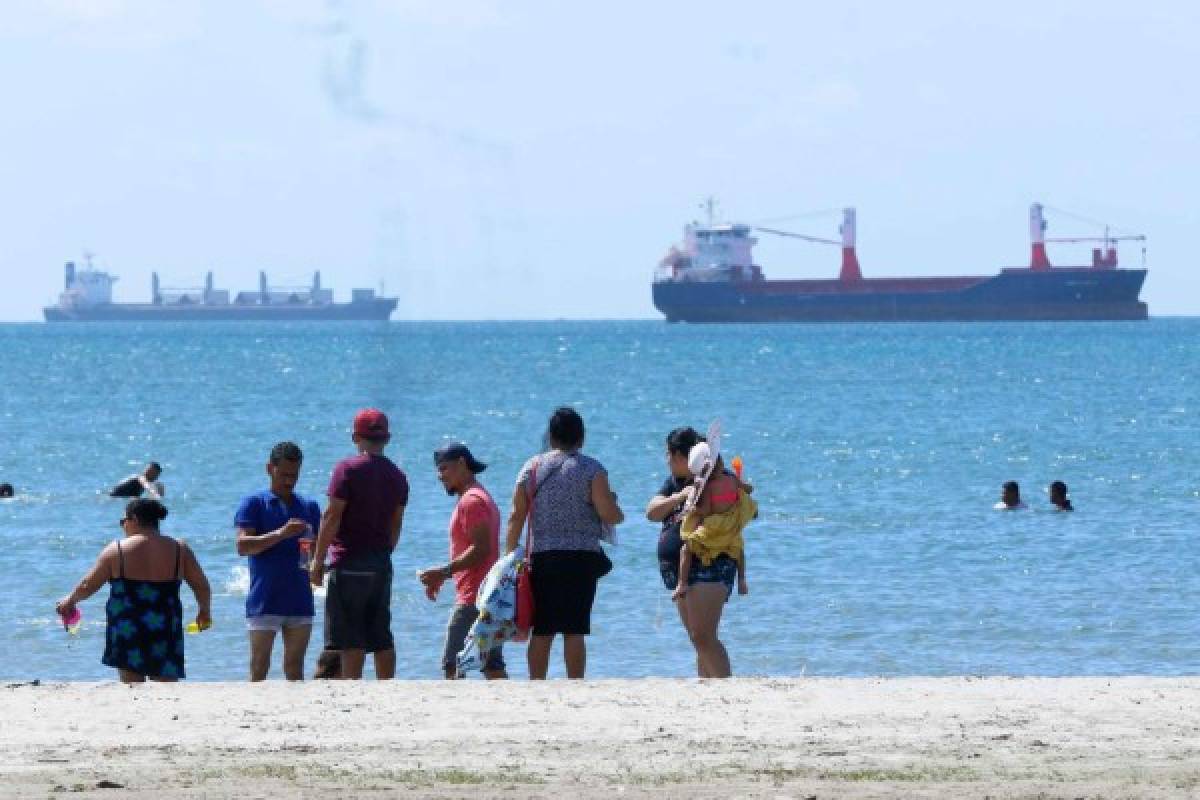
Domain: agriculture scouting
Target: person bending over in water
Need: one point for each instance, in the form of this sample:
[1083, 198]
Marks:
[147, 482]
[714, 525]
[1058, 496]
[1010, 497]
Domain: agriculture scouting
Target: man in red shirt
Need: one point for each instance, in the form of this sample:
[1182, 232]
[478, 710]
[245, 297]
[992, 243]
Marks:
[474, 548]
[359, 530]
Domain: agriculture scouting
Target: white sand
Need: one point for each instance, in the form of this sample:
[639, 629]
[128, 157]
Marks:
[823, 738]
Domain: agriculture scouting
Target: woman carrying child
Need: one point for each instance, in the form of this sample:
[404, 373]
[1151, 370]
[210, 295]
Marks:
[712, 529]
[707, 587]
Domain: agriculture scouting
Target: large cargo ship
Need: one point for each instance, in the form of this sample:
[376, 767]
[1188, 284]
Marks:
[712, 277]
[87, 296]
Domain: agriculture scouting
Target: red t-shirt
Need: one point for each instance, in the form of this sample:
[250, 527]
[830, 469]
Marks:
[372, 487]
[474, 507]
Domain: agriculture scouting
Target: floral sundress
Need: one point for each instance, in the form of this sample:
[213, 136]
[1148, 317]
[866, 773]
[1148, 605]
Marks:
[145, 624]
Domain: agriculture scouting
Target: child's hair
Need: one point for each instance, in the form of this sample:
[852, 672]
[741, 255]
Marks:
[329, 665]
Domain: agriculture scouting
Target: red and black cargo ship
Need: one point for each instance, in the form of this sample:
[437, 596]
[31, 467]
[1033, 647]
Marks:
[712, 278]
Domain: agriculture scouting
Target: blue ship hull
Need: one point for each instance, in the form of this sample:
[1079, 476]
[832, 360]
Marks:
[1014, 294]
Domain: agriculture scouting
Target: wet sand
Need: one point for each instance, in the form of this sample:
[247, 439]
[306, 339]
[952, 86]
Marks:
[822, 738]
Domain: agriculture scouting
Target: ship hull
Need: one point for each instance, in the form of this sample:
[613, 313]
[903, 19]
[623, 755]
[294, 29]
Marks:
[378, 309]
[1014, 294]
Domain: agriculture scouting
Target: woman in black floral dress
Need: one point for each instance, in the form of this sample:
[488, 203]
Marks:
[144, 636]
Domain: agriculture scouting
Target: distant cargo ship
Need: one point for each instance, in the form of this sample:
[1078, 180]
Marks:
[712, 277]
[87, 296]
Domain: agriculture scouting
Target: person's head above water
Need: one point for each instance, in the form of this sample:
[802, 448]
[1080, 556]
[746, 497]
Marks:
[152, 471]
[1010, 494]
[565, 429]
[679, 443]
[142, 515]
[6, 490]
[283, 467]
[1058, 496]
[371, 430]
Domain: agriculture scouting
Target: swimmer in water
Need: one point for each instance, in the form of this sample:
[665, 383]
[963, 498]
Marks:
[1058, 496]
[1010, 498]
[6, 490]
[147, 482]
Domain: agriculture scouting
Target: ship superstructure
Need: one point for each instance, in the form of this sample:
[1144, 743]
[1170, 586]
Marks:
[87, 295]
[712, 277]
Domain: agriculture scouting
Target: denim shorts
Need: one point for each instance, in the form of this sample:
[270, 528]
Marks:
[723, 570]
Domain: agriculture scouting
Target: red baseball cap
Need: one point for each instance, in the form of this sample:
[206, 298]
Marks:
[371, 423]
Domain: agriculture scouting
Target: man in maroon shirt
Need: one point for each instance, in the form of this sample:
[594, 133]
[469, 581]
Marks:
[359, 530]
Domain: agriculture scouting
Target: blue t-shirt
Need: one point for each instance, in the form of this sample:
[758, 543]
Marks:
[278, 585]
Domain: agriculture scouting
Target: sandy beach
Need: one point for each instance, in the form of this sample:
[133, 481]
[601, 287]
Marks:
[823, 738]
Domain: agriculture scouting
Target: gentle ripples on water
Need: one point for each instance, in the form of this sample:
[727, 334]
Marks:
[877, 452]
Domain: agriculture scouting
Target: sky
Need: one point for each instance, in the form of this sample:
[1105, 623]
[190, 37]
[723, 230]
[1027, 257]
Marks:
[535, 160]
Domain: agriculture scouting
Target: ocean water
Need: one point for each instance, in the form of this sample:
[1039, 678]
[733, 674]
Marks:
[877, 452]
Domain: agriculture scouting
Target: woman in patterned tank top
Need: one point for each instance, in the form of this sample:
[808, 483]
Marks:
[571, 502]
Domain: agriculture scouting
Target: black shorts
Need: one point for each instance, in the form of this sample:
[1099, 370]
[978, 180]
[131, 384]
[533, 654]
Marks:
[358, 603]
[564, 587]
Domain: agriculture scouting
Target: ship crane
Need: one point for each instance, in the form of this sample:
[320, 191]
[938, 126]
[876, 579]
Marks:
[851, 272]
[1103, 257]
[1133, 237]
[803, 236]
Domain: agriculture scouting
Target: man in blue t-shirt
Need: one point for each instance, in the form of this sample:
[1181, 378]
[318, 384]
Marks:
[276, 528]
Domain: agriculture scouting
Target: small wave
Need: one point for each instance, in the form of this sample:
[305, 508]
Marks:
[238, 583]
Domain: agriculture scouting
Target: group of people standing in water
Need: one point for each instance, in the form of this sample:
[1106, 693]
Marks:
[562, 509]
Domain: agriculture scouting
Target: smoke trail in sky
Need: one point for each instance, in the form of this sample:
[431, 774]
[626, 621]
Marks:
[344, 77]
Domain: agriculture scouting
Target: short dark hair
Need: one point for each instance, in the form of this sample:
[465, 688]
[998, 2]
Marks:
[6, 490]
[1059, 486]
[154, 464]
[146, 510]
[286, 451]
[681, 441]
[566, 427]
[1011, 486]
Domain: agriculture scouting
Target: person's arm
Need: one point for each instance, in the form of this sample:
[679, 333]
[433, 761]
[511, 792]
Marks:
[397, 524]
[250, 542]
[150, 488]
[516, 520]
[197, 581]
[605, 502]
[478, 552]
[685, 568]
[331, 522]
[99, 575]
[743, 586]
[662, 505]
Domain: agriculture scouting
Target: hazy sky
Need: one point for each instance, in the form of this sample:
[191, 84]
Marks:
[535, 159]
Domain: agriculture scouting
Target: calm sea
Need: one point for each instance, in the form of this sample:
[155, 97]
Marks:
[877, 451]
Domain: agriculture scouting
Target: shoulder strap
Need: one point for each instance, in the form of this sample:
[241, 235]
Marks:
[121, 560]
[531, 491]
